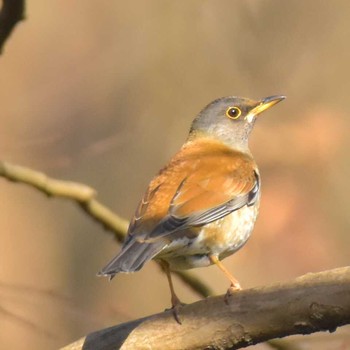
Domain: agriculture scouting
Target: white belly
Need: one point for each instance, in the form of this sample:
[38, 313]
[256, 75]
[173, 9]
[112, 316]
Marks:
[221, 238]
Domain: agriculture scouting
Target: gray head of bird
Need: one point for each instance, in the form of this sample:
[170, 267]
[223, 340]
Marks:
[231, 119]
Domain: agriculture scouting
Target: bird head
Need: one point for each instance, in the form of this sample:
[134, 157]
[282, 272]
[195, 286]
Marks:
[231, 119]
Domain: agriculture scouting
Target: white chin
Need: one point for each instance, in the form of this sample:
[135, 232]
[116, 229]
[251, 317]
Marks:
[250, 117]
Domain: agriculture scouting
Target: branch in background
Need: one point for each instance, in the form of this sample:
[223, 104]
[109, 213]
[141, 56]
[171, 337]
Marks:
[196, 284]
[311, 303]
[82, 194]
[85, 196]
[11, 13]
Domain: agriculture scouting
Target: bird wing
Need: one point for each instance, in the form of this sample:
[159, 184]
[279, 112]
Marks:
[198, 186]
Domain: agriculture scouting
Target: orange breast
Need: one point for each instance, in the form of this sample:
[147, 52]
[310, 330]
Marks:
[213, 174]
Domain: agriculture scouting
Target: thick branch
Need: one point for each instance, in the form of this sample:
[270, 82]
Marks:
[11, 13]
[85, 197]
[311, 303]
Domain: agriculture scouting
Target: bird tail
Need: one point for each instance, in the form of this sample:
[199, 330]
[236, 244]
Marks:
[132, 257]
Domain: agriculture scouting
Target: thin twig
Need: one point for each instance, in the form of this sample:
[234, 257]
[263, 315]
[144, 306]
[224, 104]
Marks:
[82, 194]
[11, 13]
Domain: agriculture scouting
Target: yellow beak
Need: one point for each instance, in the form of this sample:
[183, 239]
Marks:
[264, 104]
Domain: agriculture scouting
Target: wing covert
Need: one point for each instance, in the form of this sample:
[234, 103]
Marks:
[197, 187]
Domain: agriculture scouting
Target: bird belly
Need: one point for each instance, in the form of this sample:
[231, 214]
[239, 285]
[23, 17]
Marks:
[222, 238]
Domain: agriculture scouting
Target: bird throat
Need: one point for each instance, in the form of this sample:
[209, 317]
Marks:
[235, 138]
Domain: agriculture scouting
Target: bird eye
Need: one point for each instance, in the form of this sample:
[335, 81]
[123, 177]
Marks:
[233, 112]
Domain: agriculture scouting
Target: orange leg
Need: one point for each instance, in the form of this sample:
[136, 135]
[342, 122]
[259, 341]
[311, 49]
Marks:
[234, 283]
[176, 304]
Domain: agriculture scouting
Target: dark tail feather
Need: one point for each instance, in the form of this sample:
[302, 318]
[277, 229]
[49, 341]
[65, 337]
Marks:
[131, 258]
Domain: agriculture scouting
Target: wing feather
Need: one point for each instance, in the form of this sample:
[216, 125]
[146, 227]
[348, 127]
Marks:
[196, 188]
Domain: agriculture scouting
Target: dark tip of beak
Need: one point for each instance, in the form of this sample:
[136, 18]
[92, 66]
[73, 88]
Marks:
[273, 99]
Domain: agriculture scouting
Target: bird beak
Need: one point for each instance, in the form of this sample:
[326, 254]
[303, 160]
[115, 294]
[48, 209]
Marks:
[263, 105]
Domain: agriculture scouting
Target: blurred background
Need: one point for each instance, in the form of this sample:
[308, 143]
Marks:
[104, 92]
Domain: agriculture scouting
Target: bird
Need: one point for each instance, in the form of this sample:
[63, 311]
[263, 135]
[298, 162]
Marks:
[202, 206]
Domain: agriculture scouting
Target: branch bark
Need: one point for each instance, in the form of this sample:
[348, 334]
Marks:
[311, 303]
[11, 13]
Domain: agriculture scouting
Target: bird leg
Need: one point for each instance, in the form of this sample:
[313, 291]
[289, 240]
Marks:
[234, 286]
[176, 303]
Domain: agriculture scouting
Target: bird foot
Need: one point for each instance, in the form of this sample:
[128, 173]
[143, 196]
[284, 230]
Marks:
[231, 291]
[175, 310]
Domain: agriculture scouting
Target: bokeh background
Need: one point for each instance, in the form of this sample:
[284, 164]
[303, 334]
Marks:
[103, 93]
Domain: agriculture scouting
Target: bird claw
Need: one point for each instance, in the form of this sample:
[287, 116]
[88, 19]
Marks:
[175, 310]
[234, 288]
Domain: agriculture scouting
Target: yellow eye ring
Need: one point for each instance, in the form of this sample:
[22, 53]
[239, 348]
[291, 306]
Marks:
[233, 112]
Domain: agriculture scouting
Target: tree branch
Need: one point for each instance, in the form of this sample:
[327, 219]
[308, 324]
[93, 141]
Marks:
[85, 196]
[311, 303]
[82, 194]
[11, 13]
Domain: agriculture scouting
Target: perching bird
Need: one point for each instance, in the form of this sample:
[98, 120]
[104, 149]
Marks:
[202, 206]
